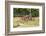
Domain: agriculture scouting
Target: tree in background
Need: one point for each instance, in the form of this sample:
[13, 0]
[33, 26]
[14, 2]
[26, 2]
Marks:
[21, 11]
[26, 11]
[34, 12]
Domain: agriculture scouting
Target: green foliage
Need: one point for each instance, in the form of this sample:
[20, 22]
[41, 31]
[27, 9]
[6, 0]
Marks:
[35, 12]
[21, 11]
[25, 11]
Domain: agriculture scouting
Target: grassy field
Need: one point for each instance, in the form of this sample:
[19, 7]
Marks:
[17, 22]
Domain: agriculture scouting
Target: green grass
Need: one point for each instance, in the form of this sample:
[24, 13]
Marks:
[17, 22]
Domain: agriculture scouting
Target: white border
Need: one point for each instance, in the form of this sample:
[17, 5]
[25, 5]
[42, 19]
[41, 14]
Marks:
[25, 28]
